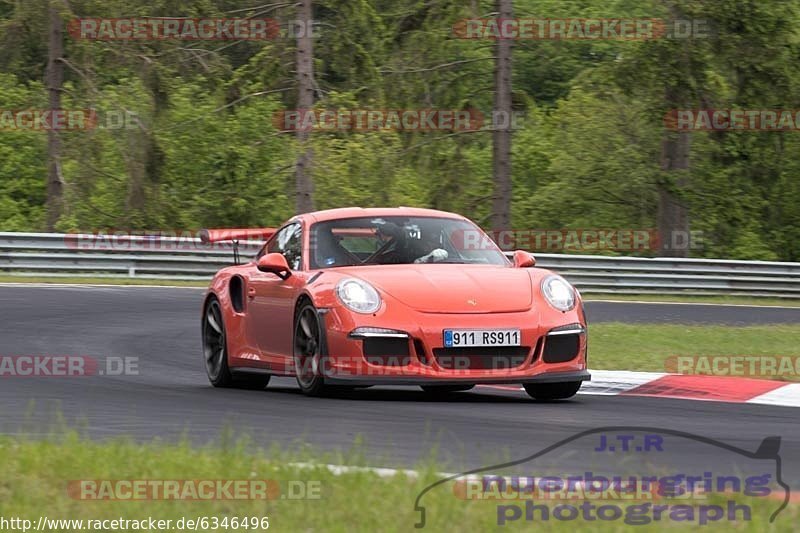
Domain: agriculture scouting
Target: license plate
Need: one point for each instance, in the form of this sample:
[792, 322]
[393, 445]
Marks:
[459, 338]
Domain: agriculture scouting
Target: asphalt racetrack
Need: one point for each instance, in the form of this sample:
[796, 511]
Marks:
[170, 396]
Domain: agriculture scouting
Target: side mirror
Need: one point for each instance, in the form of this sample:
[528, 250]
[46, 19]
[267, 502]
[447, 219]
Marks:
[523, 259]
[275, 264]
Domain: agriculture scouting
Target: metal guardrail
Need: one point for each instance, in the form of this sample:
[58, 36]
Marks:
[167, 258]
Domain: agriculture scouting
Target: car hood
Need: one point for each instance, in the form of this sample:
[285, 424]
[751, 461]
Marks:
[432, 288]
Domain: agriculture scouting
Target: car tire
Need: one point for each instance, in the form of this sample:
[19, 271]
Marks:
[446, 389]
[308, 352]
[215, 353]
[552, 391]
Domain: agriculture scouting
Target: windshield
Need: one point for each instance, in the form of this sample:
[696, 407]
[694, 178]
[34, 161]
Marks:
[400, 240]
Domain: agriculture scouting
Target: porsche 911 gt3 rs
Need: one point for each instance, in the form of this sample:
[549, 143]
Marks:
[393, 296]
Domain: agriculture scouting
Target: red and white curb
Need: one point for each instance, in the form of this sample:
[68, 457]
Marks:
[690, 387]
[693, 387]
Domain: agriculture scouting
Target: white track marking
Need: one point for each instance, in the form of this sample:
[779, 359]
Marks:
[613, 382]
[787, 396]
[338, 470]
[604, 382]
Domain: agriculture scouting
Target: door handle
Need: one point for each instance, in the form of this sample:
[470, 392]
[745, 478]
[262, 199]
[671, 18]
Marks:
[251, 292]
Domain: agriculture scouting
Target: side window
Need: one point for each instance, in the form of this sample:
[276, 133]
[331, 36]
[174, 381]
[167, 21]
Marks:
[289, 242]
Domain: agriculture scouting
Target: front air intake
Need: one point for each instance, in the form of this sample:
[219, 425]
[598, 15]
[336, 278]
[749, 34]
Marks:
[563, 344]
[386, 351]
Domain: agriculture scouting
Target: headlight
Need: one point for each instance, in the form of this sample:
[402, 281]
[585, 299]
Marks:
[558, 293]
[358, 296]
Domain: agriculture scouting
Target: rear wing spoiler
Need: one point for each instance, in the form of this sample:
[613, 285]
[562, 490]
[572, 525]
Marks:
[208, 236]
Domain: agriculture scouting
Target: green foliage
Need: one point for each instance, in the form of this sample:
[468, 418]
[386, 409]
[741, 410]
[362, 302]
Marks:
[202, 149]
[22, 161]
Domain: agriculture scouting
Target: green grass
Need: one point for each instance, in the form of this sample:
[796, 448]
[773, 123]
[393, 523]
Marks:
[646, 347]
[34, 477]
[730, 300]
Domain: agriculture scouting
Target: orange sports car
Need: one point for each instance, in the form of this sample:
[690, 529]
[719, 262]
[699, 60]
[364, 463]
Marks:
[356, 297]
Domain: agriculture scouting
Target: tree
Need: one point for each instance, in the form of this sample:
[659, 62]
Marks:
[55, 80]
[501, 152]
[673, 213]
[304, 185]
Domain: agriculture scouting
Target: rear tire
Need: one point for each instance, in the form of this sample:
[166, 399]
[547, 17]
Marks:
[446, 389]
[215, 353]
[552, 391]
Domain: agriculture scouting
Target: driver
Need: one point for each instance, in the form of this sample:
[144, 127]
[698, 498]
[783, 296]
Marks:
[409, 246]
[427, 247]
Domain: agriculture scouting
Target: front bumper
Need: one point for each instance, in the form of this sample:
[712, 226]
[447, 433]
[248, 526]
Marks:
[421, 358]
